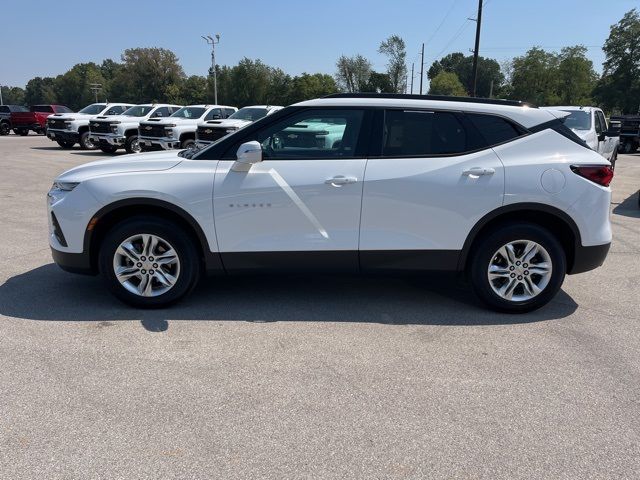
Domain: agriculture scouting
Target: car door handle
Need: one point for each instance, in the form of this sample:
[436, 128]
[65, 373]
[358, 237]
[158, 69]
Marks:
[340, 180]
[479, 171]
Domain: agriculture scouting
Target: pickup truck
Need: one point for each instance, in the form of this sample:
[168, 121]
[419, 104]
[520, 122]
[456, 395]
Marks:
[121, 131]
[211, 130]
[67, 129]
[629, 132]
[5, 116]
[590, 124]
[179, 130]
[35, 118]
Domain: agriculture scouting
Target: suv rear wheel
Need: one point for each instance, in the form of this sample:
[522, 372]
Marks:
[65, 144]
[149, 262]
[518, 268]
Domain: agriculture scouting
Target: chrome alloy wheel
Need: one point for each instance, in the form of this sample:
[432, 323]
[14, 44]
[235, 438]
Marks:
[519, 270]
[146, 265]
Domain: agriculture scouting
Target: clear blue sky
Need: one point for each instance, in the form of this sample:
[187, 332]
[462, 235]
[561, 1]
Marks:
[46, 38]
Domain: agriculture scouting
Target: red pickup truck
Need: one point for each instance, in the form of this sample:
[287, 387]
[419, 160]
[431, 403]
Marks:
[35, 118]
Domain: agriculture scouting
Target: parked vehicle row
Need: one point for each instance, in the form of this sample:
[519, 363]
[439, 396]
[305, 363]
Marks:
[502, 191]
[22, 119]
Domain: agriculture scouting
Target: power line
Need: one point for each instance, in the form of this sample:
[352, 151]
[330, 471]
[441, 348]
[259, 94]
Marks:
[444, 19]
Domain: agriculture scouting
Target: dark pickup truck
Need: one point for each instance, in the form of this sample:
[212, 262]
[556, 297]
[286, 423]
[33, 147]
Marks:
[629, 132]
[34, 118]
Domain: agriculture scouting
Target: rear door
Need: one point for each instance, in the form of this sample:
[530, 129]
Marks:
[432, 179]
[300, 207]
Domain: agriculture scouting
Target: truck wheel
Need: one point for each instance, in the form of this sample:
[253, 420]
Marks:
[629, 147]
[149, 262]
[23, 132]
[188, 143]
[132, 144]
[85, 142]
[108, 148]
[4, 128]
[64, 144]
[517, 268]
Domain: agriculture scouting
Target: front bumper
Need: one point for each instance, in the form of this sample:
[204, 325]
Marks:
[166, 143]
[588, 258]
[73, 262]
[63, 135]
[108, 138]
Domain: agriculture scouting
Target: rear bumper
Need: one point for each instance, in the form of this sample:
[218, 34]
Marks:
[589, 258]
[73, 262]
[63, 135]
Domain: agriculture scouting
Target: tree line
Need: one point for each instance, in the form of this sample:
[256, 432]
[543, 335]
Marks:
[541, 77]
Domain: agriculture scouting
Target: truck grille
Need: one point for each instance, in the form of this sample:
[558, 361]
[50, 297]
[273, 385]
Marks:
[147, 130]
[211, 134]
[100, 127]
[56, 123]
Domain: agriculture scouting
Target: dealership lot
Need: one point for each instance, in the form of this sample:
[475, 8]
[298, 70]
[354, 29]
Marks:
[309, 376]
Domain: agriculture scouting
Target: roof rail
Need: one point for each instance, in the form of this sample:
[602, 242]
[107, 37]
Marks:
[440, 98]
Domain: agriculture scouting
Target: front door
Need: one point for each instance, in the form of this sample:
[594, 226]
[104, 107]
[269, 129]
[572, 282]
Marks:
[300, 207]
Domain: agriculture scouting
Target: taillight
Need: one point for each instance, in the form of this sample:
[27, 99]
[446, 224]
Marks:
[600, 174]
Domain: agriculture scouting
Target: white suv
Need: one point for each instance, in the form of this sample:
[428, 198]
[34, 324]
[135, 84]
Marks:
[179, 130]
[590, 124]
[211, 130]
[67, 129]
[500, 190]
[121, 131]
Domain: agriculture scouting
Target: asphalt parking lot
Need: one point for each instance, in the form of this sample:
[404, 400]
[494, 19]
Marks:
[303, 377]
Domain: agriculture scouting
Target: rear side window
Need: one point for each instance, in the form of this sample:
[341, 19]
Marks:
[494, 129]
[42, 108]
[414, 133]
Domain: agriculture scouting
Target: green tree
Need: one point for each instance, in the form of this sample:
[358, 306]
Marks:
[379, 83]
[251, 82]
[619, 86]
[395, 50]
[576, 76]
[490, 77]
[145, 75]
[40, 90]
[12, 95]
[308, 86]
[73, 88]
[534, 77]
[447, 83]
[353, 73]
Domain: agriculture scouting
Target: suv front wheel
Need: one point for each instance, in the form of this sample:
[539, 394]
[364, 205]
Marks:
[149, 262]
[517, 268]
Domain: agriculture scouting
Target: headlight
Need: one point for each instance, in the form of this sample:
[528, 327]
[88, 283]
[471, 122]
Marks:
[65, 186]
[231, 129]
[168, 132]
[67, 125]
[114, 129]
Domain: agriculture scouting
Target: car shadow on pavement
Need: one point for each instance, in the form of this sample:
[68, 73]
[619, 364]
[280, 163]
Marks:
[98, 153]
[51, 148]
[48, 293]
[629, 207]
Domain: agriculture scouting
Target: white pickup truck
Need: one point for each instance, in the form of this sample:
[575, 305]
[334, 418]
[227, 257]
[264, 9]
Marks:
[109, 133]
[67, 129]
[211, 130]
[179, 130]
[590, 124]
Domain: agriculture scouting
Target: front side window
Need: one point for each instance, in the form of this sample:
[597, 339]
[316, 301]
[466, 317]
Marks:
[161, 112]
[249, 113]
[93, 109]
[312, 134]
[213, 114]
[494, 129]
[116, 110]
[414, 133]
[189, 112]
[137, 111]
[602, 121]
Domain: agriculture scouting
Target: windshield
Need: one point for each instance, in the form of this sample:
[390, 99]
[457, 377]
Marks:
[189, 112]
[578, 120]
[251, 114]
[93, 109]
[137, 111]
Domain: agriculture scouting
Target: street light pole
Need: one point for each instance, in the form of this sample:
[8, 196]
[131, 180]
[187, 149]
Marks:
[213, 42]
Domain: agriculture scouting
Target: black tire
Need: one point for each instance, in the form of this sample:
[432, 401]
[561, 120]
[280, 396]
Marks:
[85, 142]
[132, 145]
[483, 254]
[5, 128]
[65, 144]
[629, 147]
[23, 132]
[108, 148]
[181, 242]
[188, 143]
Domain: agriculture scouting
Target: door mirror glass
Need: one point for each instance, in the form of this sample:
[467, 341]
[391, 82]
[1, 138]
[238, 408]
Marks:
[248, 154]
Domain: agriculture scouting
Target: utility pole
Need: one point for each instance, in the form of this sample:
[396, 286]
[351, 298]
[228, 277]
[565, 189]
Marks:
[476, 49]
[213, 42]
[421, 67]
[1, 102]
[412, 78]
[95, 88]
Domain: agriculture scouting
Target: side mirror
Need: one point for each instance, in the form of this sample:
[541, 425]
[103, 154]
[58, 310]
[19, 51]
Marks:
[601, 136]
[248, 154]
[612, 133]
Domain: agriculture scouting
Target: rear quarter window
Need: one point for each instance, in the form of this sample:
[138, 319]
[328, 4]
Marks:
[495, 130]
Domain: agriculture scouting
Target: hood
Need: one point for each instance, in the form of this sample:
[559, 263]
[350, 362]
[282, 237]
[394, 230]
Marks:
[118, 118]
[171, 120]
[226, 123]
[141, 162]
[75, 116]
